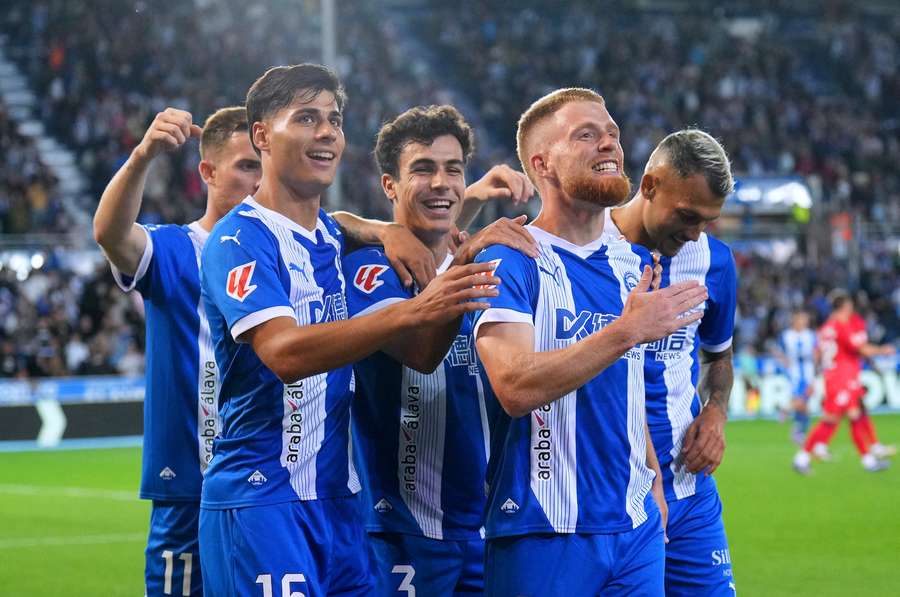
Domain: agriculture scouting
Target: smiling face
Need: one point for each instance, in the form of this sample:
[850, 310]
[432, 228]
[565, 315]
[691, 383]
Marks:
[303, 142]
[677, 209]
[583, 153]
[428, 190]
[232, 171]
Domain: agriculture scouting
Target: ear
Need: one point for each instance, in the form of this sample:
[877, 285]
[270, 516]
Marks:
[649, 184]
[260, 135]
[388, 185]
[538, 165]
[207, 172]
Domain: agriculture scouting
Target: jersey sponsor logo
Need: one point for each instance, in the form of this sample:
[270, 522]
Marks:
[239, 286]
[409, 425]
[207, 425]
[293, 395]
[333, 307]
[509, 506]
[721, 557]
[366, 278]
[580, 325]
[672, 347]
[462, 354]
[233, 238]
[542, 443]
[167, 474]
[256, 479]
[383, 506]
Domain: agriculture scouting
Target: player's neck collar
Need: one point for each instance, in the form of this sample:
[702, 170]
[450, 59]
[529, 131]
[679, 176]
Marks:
[282, 219]
[197, 229]
[583, 251]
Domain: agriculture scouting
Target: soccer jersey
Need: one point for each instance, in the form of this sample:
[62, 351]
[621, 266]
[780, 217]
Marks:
[799, 347]
[840, 342]
[419, 437]
[181, 375]
[578, 464]
[279, 441]
[671, 365]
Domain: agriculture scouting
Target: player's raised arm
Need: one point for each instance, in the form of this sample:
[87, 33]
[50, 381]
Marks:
[115, 230]
[500, 182]
[524, 380]
[294, 352]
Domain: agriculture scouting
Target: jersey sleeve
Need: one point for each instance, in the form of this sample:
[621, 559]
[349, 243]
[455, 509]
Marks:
[517, 297]
[243, 277]
[372, 284]
[717, 326]
[152, 268]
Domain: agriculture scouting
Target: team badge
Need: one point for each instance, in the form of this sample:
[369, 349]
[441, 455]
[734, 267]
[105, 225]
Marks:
[239, 286]
[366, 278]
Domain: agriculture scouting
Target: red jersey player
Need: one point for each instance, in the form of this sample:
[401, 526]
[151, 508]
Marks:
[843, 345]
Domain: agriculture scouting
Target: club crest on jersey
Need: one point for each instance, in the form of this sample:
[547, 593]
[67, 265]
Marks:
[366, 278]
[239, 286]
[631, 281]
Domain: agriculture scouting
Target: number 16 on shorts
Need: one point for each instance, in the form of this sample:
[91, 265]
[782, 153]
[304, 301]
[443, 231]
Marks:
[289, 583]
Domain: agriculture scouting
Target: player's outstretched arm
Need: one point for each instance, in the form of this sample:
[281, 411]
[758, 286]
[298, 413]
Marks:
[410, 258]
[500, 182]
[293, 352]
[524, 380]
[115, 230]
[704, 440]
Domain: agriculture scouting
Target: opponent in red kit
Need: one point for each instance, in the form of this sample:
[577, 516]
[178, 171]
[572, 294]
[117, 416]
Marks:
[843, 344]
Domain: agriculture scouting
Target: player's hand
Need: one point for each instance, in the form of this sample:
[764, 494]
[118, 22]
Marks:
[454, 293]
[659, 496]
[654, 315]
[704, 441]
[169, 130]
[501, 182]
[412, 260]
[505, 231]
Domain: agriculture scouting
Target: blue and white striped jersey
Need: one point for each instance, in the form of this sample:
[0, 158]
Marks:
[578, 464]
[420, 438]
[181, 375]
[799, 346]
[279, 442]
[672, 366]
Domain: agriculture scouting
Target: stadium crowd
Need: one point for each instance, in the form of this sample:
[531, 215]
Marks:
[787, 96]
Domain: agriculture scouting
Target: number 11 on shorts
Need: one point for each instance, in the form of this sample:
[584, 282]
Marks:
[188, 559]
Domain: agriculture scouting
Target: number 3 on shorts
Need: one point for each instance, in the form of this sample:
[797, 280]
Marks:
[406, 583]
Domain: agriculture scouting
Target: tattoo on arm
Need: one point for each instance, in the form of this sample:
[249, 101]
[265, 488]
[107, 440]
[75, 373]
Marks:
[716, 378]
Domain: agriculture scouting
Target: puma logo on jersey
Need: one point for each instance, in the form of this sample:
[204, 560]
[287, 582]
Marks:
[234, 238]
[366, 278]
[239, 286]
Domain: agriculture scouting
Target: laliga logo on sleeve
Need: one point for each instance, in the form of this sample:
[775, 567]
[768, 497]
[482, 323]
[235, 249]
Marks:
[494, 265]
[239, 286]
[366, 278]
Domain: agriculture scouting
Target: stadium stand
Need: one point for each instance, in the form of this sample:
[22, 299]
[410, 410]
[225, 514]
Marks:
[781, 91]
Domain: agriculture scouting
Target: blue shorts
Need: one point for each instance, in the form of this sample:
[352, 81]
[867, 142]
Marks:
[627, 563]
[409, 564]
[172, 565]
[799, 390]
[314, 548]
[697, 558]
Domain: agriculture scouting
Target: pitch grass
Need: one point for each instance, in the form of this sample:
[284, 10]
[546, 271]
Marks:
[70, 523]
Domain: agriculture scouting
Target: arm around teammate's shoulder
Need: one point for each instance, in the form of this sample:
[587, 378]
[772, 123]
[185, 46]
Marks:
[293, 352]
